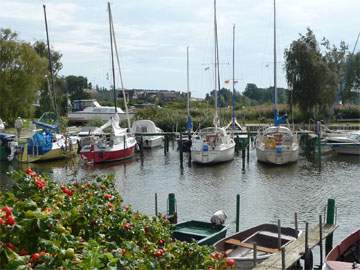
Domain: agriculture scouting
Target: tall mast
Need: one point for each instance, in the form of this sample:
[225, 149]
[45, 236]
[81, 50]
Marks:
[215, 66]
[112, 56]
[275, 82]
[233, 80]
[50, 64]
[187, 82]
[120, 74]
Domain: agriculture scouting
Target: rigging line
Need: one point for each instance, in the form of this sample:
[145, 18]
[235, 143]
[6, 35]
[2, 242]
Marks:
[120, 74]
[215, 67]
[112, 57]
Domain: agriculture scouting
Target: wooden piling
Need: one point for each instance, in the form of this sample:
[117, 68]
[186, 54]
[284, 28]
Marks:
[283, 266]
[330, 219]
[279, 234]
[248, 149]
[189, 157]
[243, 158]
[141, 146]
[254, 253]
[296, 222]
[165, 141]
[320, 242]
[237, 212]
[156, 205]
[181, 152]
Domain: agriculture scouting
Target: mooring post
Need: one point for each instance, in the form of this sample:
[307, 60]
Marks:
[283, 266]
[190, 141]
[306, 237]
[181, 152]
[167, 143]
[243, 158]
[254, 253]
[330, 219]
[248, 148]
[141, 146]
[172, 214]
[279, 234]
[237, 212]
[165, 138]
[320, 239]
[296, 223]
[156, 205]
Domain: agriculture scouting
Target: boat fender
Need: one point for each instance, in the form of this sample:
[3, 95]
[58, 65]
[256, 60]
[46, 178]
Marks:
[218, 218]
[205, 147]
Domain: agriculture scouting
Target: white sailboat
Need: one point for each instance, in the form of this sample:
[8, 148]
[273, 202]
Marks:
[148, 126]
[276, 144]
[213, 144]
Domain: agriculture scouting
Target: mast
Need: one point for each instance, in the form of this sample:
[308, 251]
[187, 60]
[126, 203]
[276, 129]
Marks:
[275, 70]
[215, 66]
[187, 83]
[233, 80]
[112, 56]
[119, 68]
[50, 65]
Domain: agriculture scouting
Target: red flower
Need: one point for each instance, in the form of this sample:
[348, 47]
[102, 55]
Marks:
[11, 246]
[126, 207]
[127, 226]
[1, 221]
[230, 262]
[10, 220]
[108, 196]
[7, 210]
[35, 257]
[41, 184]
[67, 191]
[161, 241]
[158, 253]
[28, 171]
[110, 205]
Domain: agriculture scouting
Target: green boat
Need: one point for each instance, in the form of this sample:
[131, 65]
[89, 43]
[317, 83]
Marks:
[204, 233]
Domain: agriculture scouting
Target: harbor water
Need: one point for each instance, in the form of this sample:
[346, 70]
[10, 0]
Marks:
[267, 193]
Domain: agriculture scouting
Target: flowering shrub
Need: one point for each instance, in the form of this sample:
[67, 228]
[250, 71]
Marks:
[84, 226]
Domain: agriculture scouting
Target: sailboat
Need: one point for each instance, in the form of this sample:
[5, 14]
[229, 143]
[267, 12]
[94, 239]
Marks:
[119, 144]
[213, 144]
[276, 144]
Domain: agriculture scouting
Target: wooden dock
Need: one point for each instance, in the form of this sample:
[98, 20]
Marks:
[295, 250]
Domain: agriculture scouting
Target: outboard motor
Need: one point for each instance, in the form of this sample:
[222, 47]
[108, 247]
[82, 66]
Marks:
[218, 218]
[13, 150]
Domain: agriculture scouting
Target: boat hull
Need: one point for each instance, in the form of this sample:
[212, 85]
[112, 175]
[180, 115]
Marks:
[98, 156]
[153, 141]
[346, 149]
[213, 156]
[273, 157]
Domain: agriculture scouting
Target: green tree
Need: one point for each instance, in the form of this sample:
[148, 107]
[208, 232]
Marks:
[22, 71]
[312, 76]
[351, 85]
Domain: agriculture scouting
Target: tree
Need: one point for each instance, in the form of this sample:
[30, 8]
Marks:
[312, 76]
[351, 83]
[22, 71]
[75, 86]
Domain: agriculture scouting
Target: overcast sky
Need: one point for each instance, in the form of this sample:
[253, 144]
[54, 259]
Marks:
[152, 36]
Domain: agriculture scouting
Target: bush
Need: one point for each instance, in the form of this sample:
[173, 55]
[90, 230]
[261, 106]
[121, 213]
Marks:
[44, 225]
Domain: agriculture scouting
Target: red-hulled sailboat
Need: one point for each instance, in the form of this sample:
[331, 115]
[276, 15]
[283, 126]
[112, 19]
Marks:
[118, 144]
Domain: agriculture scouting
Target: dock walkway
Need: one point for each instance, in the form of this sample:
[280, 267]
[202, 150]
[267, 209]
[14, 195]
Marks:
[295, 250]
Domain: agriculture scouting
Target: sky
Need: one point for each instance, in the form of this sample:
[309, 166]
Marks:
[152, 36]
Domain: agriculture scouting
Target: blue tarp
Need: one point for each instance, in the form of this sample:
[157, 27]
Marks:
[40, 143]
[278, 120]
[6, 137]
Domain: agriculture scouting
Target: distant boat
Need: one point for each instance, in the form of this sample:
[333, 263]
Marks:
[204, 233]
[87, 110]
[346, 255]
[347, 144]
[239, 246]
[213, 144]
[276, 144]
[148, 126]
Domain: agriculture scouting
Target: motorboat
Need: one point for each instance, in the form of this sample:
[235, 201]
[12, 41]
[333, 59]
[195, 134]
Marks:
[345, 255]
[348, 144]
[93, 111]
[240, 246]
[148, 126]
[277, 145]
[118, 145]
[212, 145]
[6, 140]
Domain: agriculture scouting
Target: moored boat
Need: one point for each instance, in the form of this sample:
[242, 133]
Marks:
[204, 233]
[148, 126]
[239, 246]
[348, 144]
[345, 255]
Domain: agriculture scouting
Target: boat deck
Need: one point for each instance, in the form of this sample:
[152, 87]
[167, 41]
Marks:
[295, 250]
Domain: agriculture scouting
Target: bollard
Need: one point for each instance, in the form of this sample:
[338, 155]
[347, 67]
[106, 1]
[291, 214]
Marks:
[237, 212]
[254, 254]
[156, 205]
[330, 219]
[172, 214]
[320, 240]
[279, 234]
[181, 152]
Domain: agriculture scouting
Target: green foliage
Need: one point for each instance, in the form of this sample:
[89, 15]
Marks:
[225, 98]
[265, 95]
[350, 92]
[83, 225]
[75, 86]
[21, 74]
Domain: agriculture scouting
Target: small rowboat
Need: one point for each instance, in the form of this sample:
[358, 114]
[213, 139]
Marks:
[346, 255]
[205, 233]
[240, 246]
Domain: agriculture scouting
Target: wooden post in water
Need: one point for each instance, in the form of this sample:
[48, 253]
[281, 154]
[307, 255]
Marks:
[296, 222]
[255, 255]
[320, 238]
[141, 147]
[283, 266]
[156, 205]
[237, 212]
[165, 140]
[248, 149]
[167, 143]
[330, 219]
[181, 152]
[243, 158]
[279, 234]
[172, 213]
[189, 137]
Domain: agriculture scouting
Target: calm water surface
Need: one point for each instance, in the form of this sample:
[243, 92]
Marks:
[267, 193]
